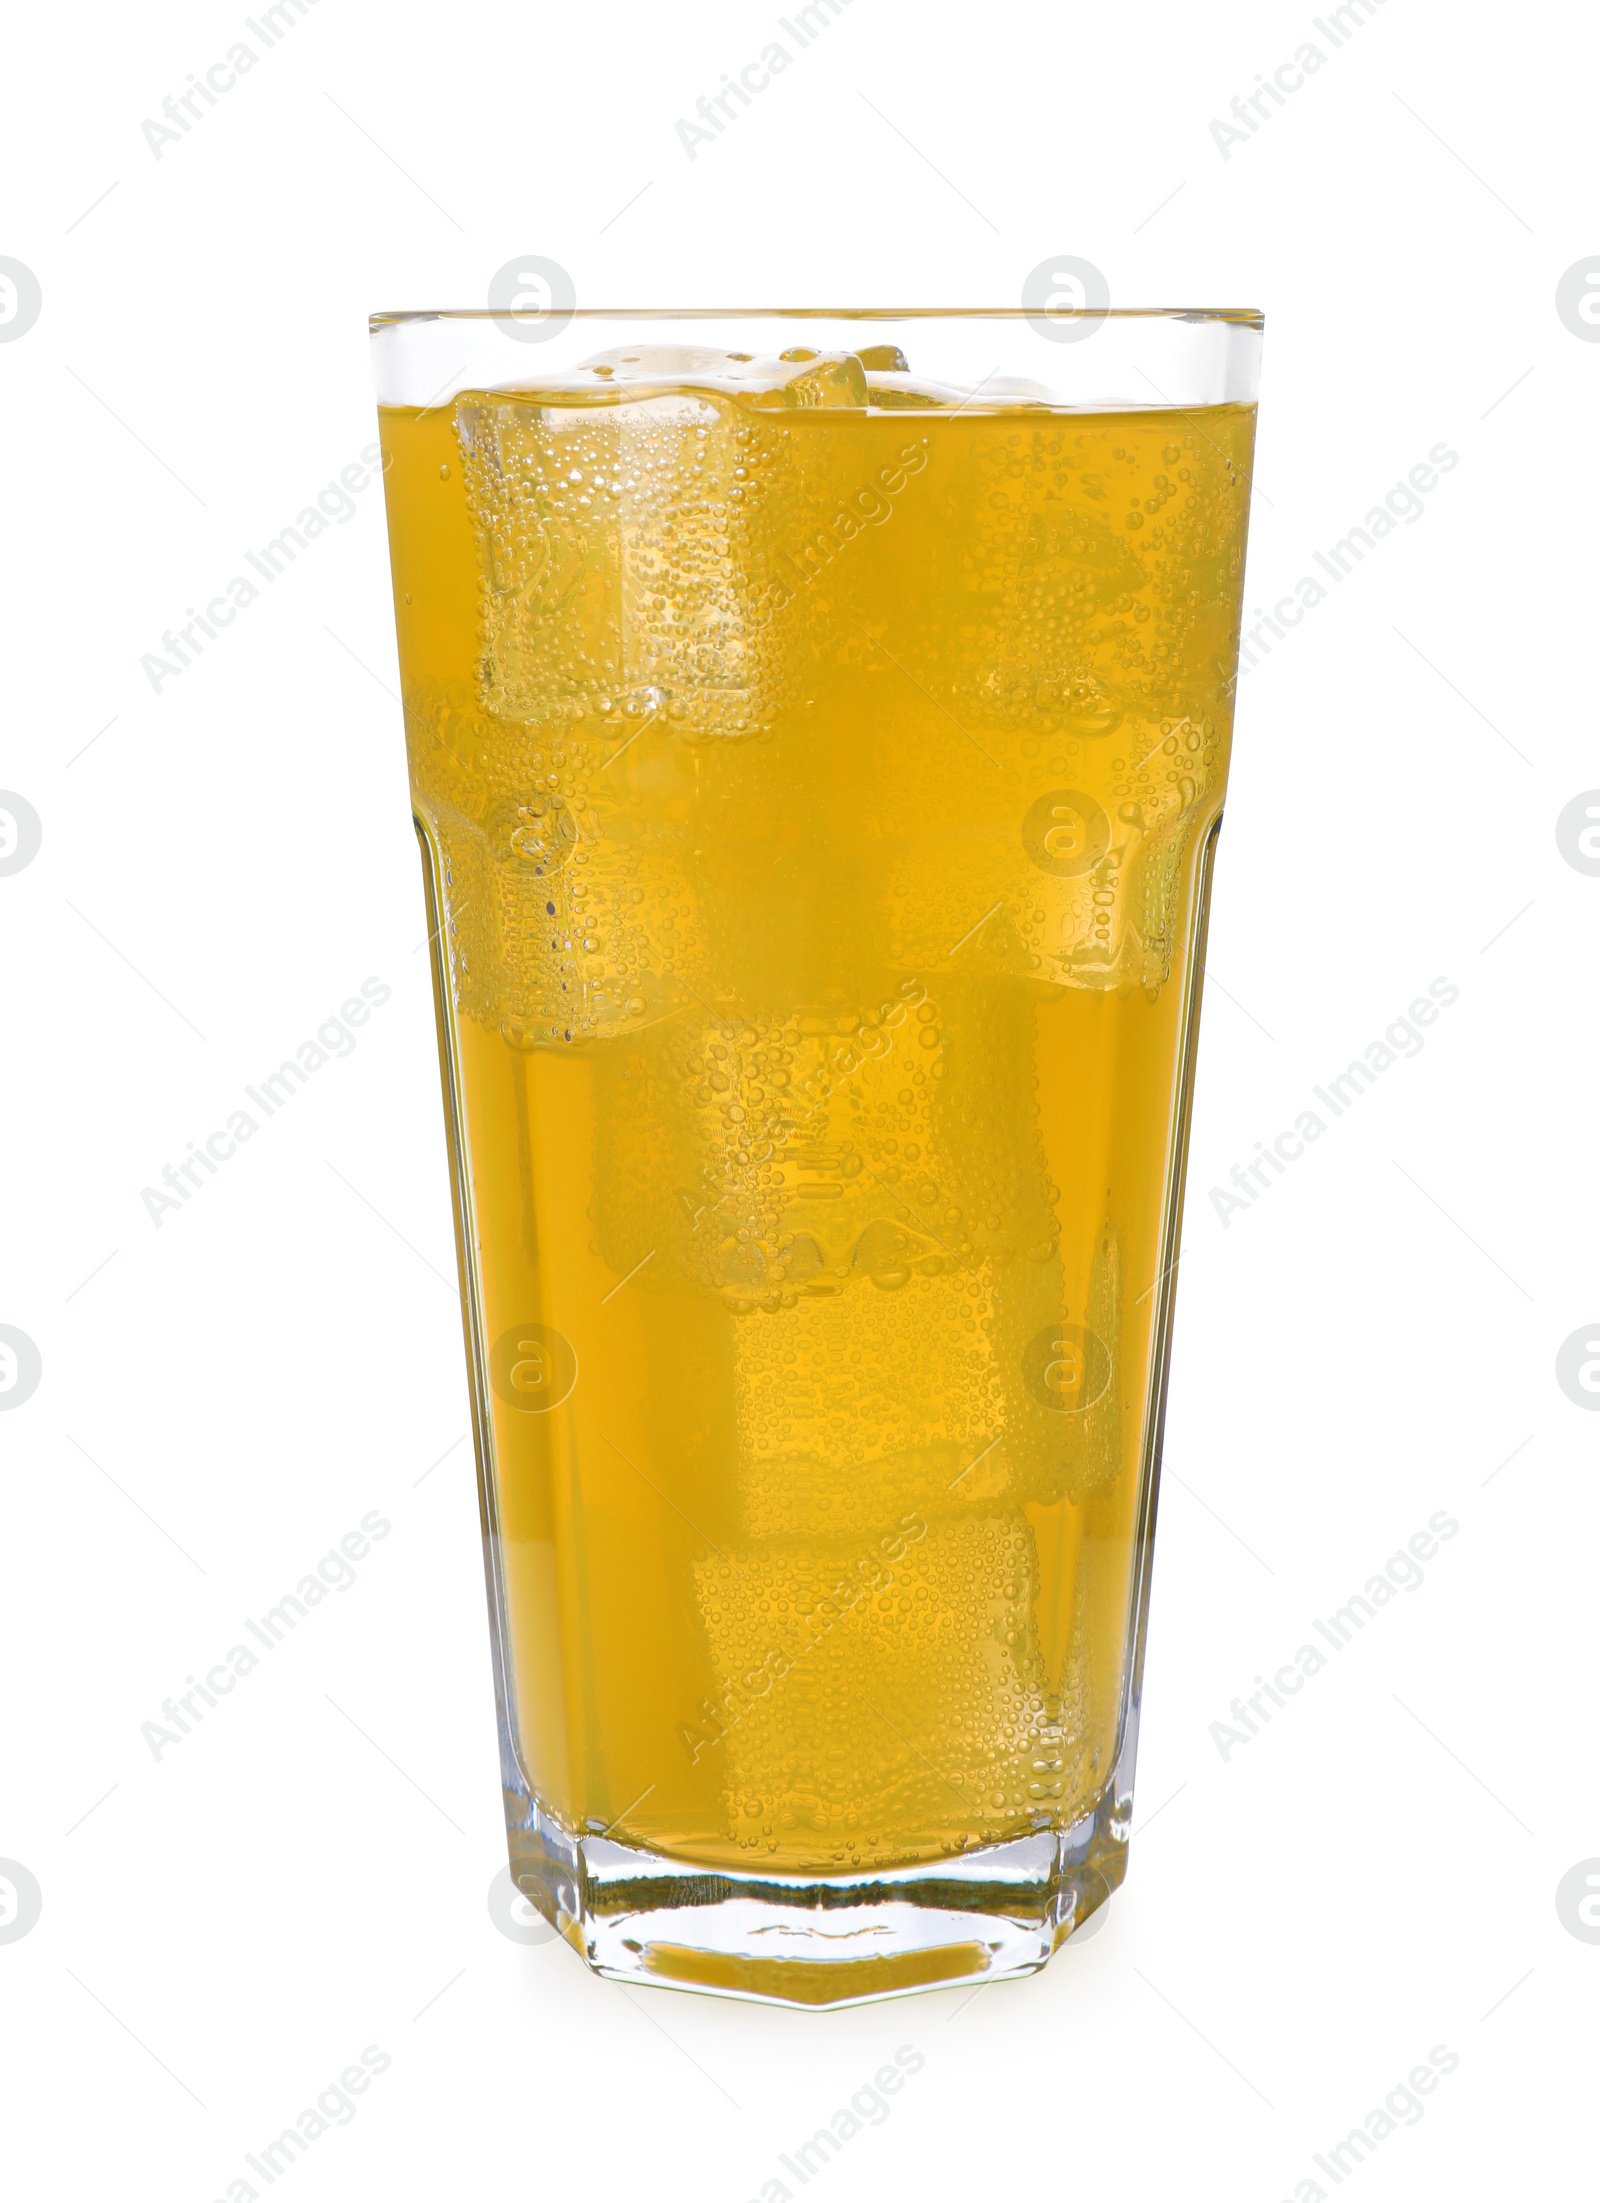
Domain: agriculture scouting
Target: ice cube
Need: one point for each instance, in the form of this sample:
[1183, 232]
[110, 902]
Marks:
[896, 390]
[729, 1143]
[979, 1387]
[666, 363]
[626, 372]
[799, 377]
[625, 551]
[902, 1137]
[578, 388]
[902, 1702]
[856, 1407]
[816, 379]
[549, 935]
[1081, 666]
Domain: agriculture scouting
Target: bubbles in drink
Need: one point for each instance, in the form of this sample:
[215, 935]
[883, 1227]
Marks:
[813, 760]
[904, 1687]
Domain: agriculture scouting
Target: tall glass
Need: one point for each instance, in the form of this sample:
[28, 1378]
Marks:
[818, 726]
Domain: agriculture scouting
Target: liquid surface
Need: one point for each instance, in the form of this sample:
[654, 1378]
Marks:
[815, 767]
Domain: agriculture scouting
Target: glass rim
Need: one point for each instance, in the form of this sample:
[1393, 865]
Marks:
[1246, 317]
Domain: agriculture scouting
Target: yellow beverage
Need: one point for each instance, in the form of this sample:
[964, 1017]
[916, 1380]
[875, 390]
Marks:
[816, 772]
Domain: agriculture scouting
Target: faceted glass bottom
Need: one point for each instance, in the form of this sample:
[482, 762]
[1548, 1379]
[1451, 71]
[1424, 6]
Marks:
[819, 1940]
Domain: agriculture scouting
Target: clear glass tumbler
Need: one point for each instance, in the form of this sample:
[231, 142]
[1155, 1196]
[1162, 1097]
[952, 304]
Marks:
[818, 726]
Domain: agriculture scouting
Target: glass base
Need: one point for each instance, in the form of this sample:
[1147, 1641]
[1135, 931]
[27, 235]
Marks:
[818, 1940]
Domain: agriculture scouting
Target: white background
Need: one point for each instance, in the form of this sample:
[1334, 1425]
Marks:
[223, 862]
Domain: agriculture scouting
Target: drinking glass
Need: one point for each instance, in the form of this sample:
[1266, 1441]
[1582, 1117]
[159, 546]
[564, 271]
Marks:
[818, 726]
